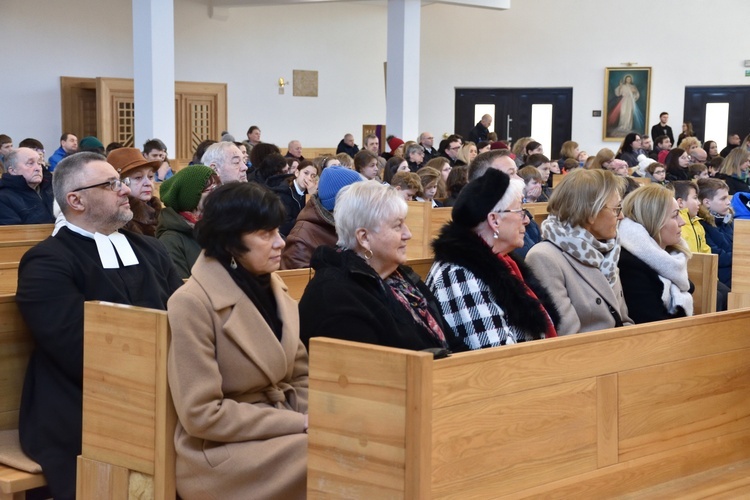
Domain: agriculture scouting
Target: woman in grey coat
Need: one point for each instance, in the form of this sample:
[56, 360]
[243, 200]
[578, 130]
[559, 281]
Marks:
[577, 257]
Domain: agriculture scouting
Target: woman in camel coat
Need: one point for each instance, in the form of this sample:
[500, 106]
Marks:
[237, 369]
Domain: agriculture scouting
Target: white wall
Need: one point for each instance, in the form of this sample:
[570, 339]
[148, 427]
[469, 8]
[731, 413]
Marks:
[535, 44]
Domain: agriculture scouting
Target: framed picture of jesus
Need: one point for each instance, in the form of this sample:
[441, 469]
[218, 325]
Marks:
[627, 92]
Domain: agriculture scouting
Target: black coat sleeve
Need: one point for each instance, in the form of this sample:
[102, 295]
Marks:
[643, 290]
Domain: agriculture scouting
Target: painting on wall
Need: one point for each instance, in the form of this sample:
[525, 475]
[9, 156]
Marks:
[627, 92]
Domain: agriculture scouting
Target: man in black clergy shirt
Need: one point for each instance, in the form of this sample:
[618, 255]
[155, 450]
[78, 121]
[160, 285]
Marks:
[89, 259]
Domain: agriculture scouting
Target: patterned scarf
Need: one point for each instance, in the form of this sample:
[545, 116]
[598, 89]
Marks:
[583, 247]
[412, 299]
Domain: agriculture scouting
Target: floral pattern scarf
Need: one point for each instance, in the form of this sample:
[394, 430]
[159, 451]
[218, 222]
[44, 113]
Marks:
[412, 299]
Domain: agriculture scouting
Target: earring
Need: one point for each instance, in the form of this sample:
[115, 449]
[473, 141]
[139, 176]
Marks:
[368, 257]
[233, 263]
[495, 235]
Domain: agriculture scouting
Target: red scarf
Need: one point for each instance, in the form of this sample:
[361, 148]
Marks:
[513, 268]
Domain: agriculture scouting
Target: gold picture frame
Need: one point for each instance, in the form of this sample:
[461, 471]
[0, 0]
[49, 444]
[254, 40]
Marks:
[627, 96]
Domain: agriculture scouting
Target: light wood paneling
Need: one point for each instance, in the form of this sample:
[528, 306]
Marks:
[741, 257]
[16, 346]
[95, 480]
[537, 210]
[36, 232]
[703, 271]
[296, 280]
[418, 222]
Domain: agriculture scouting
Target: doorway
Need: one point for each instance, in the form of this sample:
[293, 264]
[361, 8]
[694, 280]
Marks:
[543, 113]
[716, 112]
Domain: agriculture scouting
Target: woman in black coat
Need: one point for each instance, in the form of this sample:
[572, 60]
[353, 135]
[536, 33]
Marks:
[361, 290]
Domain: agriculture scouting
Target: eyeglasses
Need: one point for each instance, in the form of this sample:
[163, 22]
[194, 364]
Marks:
[114, 185]
[616, 210]
[455, 148]
[521, 211]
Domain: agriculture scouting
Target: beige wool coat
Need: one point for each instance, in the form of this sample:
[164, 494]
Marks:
[581, 293]
[240, 394]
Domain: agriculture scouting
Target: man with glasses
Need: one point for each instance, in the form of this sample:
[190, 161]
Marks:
[25, 189]
[427, 141]
[88, 259]
[452, 147]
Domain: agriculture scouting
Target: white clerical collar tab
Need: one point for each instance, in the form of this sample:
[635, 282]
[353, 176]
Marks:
[111, 246]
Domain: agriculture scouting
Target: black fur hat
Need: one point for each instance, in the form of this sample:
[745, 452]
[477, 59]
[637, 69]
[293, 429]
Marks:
[478, 197]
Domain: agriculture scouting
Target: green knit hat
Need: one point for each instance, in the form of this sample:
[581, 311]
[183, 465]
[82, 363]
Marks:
[182, 192]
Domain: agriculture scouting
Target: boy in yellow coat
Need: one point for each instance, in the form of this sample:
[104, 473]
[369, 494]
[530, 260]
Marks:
[686, 194]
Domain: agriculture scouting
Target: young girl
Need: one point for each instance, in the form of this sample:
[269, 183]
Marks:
[717, 221]
[292, 193]
[429, 177]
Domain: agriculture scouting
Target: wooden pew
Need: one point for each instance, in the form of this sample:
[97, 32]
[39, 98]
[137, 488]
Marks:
[16, 346]
[703, 271]
[312, 153]
[8, 278]
[650, 408]
[296, 280]
[16, 240]
[128, 415]
[740, 294]
[538, 211]
[418, 219]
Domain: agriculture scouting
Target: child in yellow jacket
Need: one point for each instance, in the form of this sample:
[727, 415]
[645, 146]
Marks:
[686, 194]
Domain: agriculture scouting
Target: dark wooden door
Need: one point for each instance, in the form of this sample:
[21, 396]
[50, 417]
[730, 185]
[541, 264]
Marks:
[513, 112]
[738, 98]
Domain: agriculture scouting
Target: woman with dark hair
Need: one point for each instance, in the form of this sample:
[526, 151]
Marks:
[270, 171]
[392, 166]
[237, 369]
[677, 162]
[487, 296]
[630, 149]
[457, 179]
[292, 193]
[259, 152]
[532, 148]
[712, 150]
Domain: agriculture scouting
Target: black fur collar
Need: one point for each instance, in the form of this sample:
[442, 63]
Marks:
[460, 246]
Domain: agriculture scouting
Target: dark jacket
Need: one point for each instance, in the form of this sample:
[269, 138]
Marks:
[177, 235]
[643, 289]
[532, 236]
[19, 204]
[677, 174]
[735, 185]
[145, 215]
[314, 227]
[345, 148]
[429, 154]
[463, 251]
[270, 182]
[346, 299]
[658, 130]
[293, 203]
[721, 240]
[54, 279]
[479, 133]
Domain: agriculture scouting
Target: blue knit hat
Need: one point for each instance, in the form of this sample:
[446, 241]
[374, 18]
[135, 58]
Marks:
[331, 181]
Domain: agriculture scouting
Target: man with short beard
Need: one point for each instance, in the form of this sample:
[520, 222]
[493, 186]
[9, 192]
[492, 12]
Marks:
[88, 259]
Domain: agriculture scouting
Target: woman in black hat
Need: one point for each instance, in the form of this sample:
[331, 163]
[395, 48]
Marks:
[487, 297]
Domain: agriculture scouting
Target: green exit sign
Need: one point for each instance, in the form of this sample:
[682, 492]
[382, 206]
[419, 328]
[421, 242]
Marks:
[747, 72]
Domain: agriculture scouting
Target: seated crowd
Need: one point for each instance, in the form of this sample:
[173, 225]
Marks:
[612, 252]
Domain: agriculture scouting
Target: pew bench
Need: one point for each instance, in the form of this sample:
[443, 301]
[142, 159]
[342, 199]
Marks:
[128, 416]
[651, 410]
[16, 346]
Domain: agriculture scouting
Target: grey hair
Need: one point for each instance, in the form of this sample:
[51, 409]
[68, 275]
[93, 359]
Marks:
[413, 148]
[11, 159]
[68, 175]
[365, 205]
[216, 153]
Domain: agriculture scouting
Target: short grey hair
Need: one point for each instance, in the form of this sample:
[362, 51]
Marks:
[68, 175]
[217, 153]
[366, 205]
[413, 148]
[483, 162]
[11, 159]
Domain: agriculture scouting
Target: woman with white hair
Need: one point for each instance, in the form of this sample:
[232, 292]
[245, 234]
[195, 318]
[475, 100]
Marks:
[653, 262]
[488, 298]
[577, 257]
[361, 290]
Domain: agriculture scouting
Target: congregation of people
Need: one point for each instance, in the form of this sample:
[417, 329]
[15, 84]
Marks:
[204, 242]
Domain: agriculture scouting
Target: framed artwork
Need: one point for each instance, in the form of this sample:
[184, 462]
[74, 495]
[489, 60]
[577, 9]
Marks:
[627, 92]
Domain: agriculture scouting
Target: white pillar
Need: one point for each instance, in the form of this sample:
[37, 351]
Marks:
[153, 72]
[402, 82]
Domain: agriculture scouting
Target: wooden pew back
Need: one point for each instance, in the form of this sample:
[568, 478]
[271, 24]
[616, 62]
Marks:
[128, 415]
[703, 271]
[296, 280]
[740, 294]
[36, 232]
[592, 415]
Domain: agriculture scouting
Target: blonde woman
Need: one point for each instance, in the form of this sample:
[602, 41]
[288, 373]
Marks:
[653, 260]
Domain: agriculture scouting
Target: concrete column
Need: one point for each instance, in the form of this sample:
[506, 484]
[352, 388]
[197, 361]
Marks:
[153, 71]
[402, 81]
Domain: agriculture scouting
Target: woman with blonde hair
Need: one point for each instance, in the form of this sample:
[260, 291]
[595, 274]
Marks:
[467, 153]
[442, 165]
[689, 144]
[653, 260]
[569, 149]
[734, 170]
[577, 257]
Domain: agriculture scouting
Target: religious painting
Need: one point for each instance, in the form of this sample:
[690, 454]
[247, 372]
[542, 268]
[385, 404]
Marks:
[627, 92]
